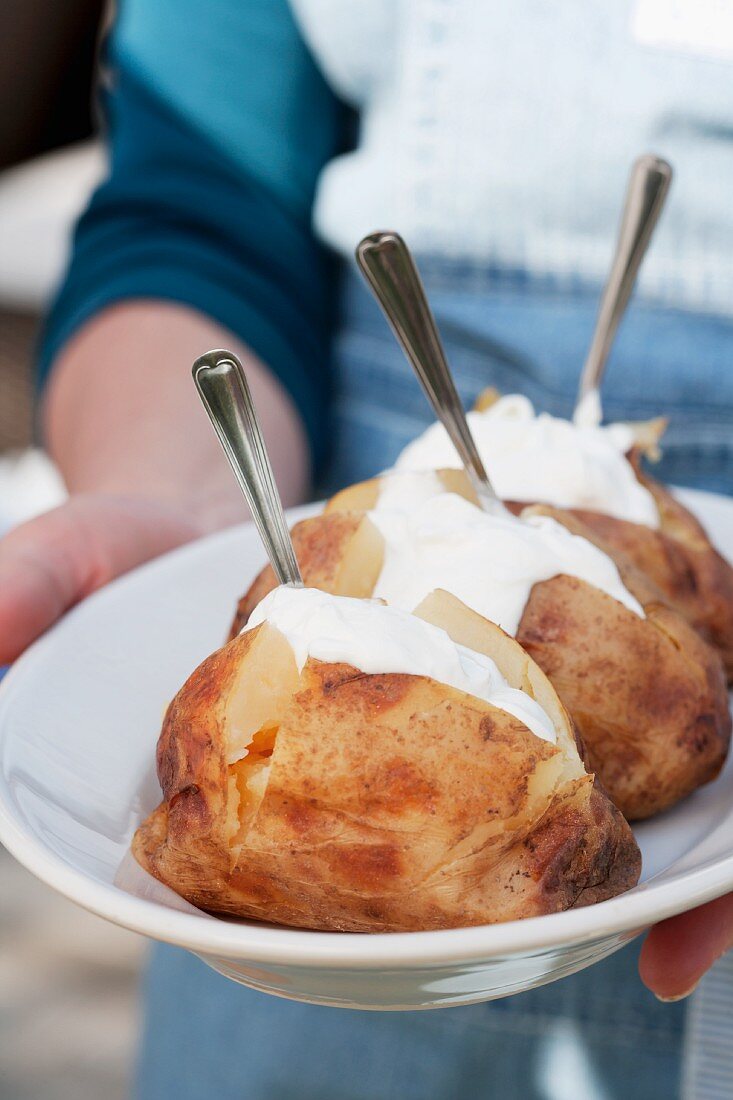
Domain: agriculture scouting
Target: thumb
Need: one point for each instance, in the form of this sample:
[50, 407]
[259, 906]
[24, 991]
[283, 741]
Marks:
[50, 563]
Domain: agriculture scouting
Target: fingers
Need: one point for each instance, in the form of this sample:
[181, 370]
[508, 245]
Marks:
[680, 950]
[52, 562]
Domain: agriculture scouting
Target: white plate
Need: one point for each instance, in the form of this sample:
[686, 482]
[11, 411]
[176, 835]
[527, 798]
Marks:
[79, 720]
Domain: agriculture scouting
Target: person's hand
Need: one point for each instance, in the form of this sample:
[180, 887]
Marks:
[122, 422]
[51, 563]
[680, 950]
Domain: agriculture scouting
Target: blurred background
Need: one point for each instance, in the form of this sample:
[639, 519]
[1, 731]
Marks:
[68, 982]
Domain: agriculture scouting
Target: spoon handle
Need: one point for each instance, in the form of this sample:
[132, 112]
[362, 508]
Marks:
[390, 271]
[222, 386]
[646, 193]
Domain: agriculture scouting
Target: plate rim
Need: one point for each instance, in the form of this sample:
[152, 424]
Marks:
[628, 913]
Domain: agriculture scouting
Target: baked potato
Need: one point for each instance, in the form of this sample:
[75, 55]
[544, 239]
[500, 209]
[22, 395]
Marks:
[647, 693]
[328, 798]
[674, 550]
[679, 558]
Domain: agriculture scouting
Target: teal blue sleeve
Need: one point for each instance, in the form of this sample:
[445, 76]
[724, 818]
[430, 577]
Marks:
[219, 124]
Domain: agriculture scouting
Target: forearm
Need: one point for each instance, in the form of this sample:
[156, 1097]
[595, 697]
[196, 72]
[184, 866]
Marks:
[208, 204]
[121, 413]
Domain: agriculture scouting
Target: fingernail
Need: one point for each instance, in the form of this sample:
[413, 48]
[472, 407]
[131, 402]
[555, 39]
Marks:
[677, 996]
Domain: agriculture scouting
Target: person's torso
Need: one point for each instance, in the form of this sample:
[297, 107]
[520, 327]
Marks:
[504, 133]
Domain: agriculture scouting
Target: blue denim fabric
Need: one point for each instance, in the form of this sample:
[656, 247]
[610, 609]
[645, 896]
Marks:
[598, 1035]
[523, 336]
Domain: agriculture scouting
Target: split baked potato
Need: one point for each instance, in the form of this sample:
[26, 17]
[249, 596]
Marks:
[375, 803]
[678, 556]
[648, 695]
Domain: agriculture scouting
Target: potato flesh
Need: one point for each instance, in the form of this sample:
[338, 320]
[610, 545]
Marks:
[248, 780]
[456, 481]
[362, 562]
[361, 497]
[261, 694]
[257, 703]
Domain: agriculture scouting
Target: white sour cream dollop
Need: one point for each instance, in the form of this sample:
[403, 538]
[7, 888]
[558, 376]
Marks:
[379, 639]
[490, 562]
[545, 459]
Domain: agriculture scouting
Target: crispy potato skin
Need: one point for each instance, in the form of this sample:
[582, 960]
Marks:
[647, 695]
[394, 803]
[681, 561]
[655, 717]
[185, 842]
[677, 558]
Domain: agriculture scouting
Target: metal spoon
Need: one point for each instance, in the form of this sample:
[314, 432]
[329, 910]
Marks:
[390, 271]
[646, 193]
[223, 388]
